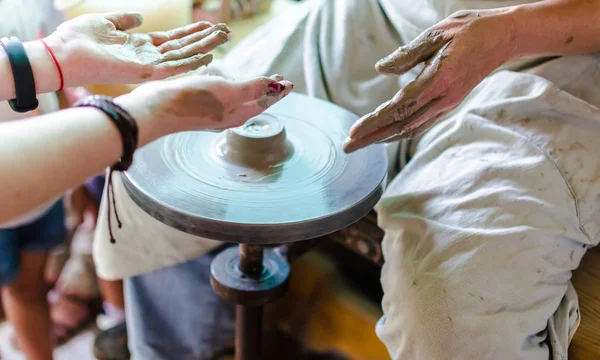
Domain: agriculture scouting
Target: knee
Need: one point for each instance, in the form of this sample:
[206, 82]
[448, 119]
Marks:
[420, 319]
[26, 292]
[425, 313]
[454, 299]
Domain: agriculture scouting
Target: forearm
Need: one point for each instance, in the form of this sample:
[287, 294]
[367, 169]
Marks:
[44, 156]
[44, 71]
[556, 28]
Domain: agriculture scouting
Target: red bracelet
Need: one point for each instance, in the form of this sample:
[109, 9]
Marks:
[62, 80]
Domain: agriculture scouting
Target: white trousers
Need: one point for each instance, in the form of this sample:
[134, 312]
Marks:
[486, 223]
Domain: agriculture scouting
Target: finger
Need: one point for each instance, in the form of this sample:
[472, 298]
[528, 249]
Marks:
[160, 37]
[352, 146]
[192, 38]
[254, 89]
[276, 77]
[406, 102]
[125, 20]
[417, 51]
[201, 47]
[418, 130]
[405, 128]
[381, 116]
[257, 107]
[176, 67]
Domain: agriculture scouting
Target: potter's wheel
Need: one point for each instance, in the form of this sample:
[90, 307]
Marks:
[281, 177]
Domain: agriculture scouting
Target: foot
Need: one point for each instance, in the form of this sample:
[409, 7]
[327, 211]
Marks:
[71, 314]
[111, 344]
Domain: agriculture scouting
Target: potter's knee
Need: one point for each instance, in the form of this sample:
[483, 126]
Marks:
[418, 327]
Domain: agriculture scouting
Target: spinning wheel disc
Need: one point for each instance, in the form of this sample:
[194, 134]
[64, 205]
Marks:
[281, 177]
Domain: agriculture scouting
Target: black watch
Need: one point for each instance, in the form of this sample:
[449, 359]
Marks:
[25, 99]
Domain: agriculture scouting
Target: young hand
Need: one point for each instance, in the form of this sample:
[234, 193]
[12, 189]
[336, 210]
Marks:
[201, 103]
[96, 49]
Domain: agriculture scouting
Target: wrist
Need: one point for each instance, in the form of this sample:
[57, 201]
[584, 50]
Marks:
[45, 72]
[513, 19]
[508, 33]
[149, 126]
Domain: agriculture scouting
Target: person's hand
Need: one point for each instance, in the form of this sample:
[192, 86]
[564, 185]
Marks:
[95, 49]
[80, 203]
[458, 53]
[201, 103]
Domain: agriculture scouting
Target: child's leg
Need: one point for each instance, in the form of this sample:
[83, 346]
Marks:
[111, 342]
[114, 302]
[27, 309]
[25, 298]
[112, 291]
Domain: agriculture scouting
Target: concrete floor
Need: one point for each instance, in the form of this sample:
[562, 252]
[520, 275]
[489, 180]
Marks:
[79, 348]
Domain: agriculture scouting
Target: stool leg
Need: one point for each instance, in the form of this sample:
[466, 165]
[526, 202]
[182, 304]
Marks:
[248, 333]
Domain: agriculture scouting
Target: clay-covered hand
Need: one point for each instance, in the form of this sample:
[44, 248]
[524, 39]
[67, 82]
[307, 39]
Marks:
[96, 49]
[204, 102]
[457, 54]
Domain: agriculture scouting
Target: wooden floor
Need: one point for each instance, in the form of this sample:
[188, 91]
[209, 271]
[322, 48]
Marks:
[325, 313]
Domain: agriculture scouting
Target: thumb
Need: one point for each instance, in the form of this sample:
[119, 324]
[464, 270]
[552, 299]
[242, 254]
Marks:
[125, 20]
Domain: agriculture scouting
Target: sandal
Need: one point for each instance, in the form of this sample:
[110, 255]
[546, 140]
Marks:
[111, 344]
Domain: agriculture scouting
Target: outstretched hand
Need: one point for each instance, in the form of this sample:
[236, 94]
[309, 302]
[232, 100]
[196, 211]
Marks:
[457, 53]
[96, 49]
[203, 102]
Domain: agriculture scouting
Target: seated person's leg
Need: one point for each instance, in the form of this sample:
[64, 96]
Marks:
[486, 223]
[173, 313]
